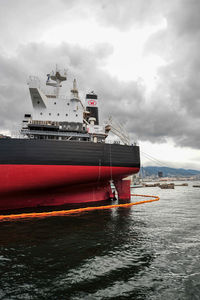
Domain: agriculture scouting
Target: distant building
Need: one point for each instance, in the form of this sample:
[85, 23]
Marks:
[2, 136]
[160, 174]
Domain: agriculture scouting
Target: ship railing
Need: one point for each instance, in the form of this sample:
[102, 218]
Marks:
[51, 133]
[111, 141]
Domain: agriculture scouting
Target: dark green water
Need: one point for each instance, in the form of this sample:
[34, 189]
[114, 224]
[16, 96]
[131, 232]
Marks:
[149, 251]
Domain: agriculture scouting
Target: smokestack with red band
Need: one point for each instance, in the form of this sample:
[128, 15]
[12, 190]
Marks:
[92, 106]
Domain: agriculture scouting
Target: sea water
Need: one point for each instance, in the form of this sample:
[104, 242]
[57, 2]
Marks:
[148, 251]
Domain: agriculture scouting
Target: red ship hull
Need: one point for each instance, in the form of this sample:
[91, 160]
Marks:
[23, 186]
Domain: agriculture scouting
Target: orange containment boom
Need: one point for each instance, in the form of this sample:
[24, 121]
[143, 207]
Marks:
[74, 211]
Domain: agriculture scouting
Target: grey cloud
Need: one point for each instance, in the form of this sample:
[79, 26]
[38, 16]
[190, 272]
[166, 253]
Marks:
[173, 109]
[179, 45]
[183, 17]
[25, 21]
[121, 14]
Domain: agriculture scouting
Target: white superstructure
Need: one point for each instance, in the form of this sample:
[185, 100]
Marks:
[62, 116]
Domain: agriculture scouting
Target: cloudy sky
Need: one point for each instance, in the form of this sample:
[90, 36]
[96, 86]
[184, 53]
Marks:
[140, 56]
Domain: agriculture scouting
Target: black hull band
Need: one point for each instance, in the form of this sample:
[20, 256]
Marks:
[45, 152]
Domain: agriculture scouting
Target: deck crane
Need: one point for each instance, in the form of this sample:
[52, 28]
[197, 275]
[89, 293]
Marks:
[117, 129]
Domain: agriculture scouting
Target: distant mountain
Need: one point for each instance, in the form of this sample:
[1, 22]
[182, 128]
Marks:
[168, 172]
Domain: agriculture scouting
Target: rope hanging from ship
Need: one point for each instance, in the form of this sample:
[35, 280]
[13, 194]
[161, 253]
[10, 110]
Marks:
[75, 211]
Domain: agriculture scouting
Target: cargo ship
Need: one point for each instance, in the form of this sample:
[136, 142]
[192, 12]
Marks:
[62, 156]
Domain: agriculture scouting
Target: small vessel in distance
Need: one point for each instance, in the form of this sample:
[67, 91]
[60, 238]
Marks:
[62, 156]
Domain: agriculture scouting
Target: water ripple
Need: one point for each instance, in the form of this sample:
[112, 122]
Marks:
[145, 252]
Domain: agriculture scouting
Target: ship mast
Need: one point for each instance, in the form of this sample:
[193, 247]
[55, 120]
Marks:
[58, 78]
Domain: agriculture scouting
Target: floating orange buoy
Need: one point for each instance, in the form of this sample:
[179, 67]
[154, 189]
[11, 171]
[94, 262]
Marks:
[73, 211]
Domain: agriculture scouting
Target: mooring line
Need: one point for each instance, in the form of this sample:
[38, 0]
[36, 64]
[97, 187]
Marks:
[74, 211]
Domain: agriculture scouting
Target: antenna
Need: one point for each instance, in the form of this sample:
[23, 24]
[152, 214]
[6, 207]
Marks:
[74, 90]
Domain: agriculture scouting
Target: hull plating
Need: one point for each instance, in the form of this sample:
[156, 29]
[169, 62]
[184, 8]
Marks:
[46, 185]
